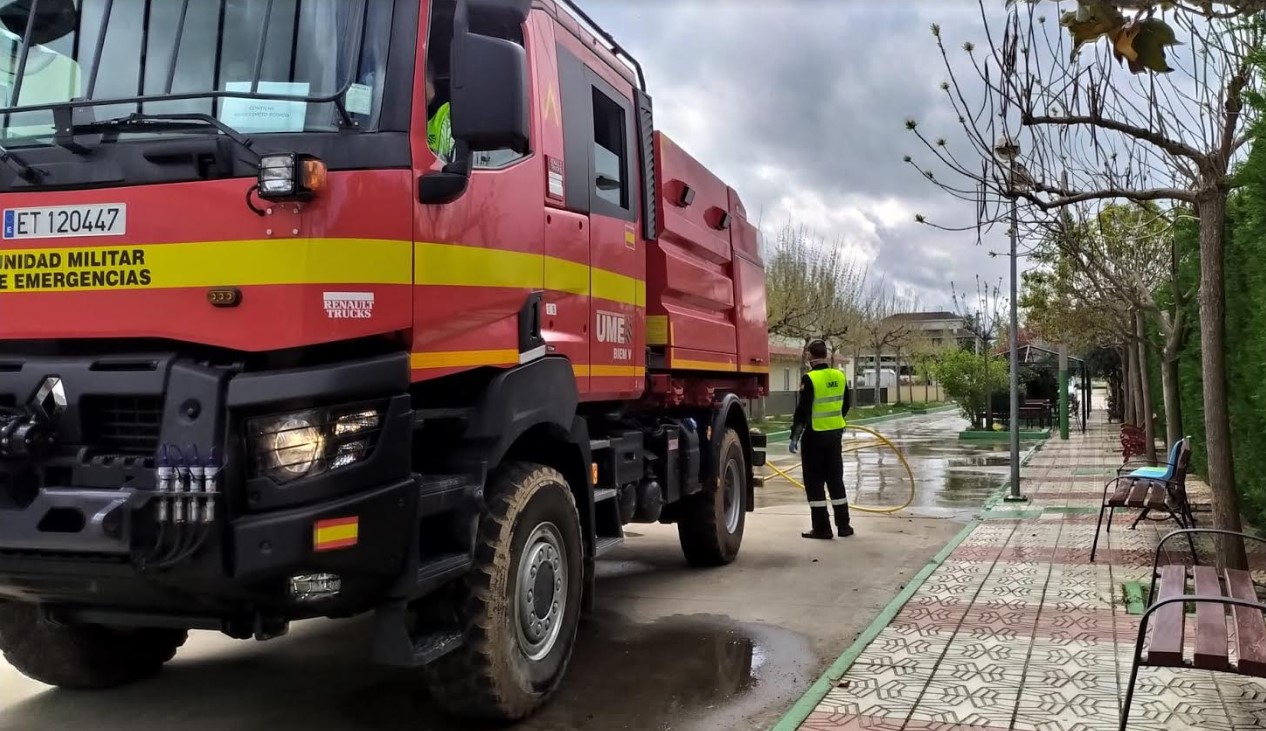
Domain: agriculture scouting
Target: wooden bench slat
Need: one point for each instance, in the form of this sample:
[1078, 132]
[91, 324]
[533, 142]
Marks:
[1138, 493]
[1157, 496]
[1211, 644]
[1168, 621]
[1121, 492]
[1250, 627]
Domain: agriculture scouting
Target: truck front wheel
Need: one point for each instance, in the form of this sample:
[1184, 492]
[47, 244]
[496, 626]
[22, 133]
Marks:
[711, 522]
[81, 657]
[520, 603]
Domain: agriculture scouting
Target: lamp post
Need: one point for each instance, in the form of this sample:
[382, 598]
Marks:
[1009, 150]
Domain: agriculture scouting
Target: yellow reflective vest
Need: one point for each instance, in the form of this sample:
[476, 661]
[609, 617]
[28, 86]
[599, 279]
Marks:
[828, 399]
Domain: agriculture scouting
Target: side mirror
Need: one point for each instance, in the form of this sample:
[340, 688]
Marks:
[55, 19]
[489, 89]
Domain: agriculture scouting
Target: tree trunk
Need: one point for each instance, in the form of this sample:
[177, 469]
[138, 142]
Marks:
[899, 377]
[878, 380]
[1173, 404]
[1145, 388]
[1128, 414]
[1217, 419]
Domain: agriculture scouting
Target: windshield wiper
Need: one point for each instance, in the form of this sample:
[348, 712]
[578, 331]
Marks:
[139, 122]
[26, 172]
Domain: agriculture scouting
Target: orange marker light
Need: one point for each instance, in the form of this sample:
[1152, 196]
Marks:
[313, 175]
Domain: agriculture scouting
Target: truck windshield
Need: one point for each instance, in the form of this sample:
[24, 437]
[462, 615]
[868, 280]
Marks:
[258, 66]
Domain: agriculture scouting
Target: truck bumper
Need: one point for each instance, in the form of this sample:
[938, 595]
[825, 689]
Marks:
[79, 525]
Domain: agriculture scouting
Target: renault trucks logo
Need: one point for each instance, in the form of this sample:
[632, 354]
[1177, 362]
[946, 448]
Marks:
[349, 305]
[50, 399]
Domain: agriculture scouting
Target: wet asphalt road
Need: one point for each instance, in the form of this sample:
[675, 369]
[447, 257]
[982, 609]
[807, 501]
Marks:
[667, 648]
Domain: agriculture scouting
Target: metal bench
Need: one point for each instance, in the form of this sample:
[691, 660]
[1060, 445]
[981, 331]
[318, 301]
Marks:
[1142, 489]
[1133, 443]
[1219, 597]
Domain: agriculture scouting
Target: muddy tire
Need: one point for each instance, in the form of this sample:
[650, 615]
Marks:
[711, 521]
[82, 657]
[520, 603]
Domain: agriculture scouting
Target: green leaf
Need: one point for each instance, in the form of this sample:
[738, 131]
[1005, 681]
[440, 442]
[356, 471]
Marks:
[1153, 37]
[1092, 20]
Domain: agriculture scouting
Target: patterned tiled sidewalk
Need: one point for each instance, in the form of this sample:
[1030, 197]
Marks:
[1016, 629]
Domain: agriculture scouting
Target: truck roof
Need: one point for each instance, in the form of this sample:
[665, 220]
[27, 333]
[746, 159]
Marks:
[603, 44]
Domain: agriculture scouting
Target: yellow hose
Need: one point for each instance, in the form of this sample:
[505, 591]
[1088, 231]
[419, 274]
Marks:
[879, 440]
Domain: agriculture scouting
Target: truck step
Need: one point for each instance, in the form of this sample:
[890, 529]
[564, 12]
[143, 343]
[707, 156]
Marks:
[434, 645]
[394, 644]
[441, 569]
[606, 544]
[606, 493]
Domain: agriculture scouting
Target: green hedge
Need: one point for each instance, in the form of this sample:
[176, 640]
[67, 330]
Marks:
[1245, 338]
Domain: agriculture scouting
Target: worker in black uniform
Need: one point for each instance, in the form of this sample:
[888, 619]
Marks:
[819, 422]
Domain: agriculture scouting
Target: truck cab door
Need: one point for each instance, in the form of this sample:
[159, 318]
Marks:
[478, 260]
[601, 181]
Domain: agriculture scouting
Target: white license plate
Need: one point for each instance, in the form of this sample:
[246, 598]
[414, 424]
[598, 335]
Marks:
[52, 222]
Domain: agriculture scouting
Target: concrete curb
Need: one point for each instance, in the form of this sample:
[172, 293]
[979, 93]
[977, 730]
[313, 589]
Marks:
[808, 703]
[783, 435]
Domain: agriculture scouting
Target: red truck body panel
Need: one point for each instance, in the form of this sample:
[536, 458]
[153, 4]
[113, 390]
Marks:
[365, 259]
[705, 279]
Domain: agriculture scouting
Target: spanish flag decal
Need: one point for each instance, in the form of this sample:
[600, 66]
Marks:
[328, 535]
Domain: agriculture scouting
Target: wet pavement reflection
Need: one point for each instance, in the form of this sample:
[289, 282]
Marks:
[952, 477]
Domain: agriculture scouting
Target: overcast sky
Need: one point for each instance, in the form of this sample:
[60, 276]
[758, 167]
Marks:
[801, 104]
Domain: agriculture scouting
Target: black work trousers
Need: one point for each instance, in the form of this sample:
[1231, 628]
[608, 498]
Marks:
[823, 465]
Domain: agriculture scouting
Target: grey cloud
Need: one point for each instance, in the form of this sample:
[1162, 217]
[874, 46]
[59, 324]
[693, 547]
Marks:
[800, 104]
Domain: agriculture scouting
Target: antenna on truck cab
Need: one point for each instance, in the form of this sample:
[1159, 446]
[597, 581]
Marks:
[614, 46]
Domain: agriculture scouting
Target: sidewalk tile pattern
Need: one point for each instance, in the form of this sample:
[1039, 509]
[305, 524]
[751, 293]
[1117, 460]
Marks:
[1018, 630]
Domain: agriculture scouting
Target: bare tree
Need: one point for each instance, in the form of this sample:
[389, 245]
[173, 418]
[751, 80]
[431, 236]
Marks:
[1055, 127]
[983, 317]
[879, 331]
[812, 289]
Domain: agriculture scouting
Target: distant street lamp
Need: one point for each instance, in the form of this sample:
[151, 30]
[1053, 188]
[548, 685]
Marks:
[1009, 150]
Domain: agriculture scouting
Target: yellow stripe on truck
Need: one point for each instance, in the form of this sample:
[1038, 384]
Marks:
[455, 265]
[206, 264]
[304, 261]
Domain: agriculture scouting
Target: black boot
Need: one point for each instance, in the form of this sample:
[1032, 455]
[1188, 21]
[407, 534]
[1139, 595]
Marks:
[821, 525]
[842, 522]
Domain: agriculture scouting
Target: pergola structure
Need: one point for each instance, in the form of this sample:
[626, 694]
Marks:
[1048, 360]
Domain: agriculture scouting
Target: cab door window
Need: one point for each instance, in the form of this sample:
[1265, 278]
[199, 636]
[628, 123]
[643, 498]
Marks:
[438, 55]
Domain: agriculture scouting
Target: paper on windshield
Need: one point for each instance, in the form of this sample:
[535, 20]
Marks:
[265, 115]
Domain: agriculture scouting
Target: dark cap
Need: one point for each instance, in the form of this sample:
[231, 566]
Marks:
[817, 349]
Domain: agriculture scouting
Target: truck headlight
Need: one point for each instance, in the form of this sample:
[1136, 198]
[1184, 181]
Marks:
[290, 176]
[289, 446]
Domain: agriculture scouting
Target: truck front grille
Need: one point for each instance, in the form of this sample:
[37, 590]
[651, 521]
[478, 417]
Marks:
[124, 425]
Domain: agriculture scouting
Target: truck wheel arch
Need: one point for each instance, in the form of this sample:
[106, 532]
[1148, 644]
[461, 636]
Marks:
[729, 413]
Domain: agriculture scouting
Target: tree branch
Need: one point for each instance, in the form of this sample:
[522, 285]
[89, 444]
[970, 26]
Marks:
[1173, 147]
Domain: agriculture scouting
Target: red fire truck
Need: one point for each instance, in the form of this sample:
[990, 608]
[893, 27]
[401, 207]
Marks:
[266, 356]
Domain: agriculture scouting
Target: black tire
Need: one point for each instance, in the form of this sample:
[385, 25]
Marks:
[707, 537]
[494, 675]
[82, 656]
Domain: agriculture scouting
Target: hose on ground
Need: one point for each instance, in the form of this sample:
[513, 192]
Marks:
[879, 440]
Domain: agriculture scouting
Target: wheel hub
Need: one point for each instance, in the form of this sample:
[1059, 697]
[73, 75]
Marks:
[731, 489]
[542, 591]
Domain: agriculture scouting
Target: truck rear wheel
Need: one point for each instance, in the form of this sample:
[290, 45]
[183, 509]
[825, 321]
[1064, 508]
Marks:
[520, 603]
[711, 522]
[82, 657]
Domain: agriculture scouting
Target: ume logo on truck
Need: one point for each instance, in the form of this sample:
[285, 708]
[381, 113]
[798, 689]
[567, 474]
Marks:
[613, 327]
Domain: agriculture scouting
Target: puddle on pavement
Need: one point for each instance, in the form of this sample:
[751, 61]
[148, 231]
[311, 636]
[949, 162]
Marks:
[681, 673]
[950, 474]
